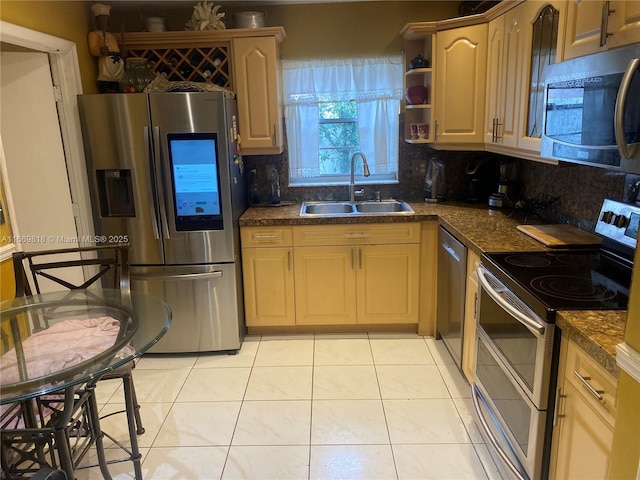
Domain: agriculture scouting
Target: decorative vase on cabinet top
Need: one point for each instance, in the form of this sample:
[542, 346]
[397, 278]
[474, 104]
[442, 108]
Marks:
[136, 75]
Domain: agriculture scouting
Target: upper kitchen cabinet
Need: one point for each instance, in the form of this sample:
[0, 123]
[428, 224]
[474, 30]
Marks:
[257, 80]
[461, 63]
[419, 79]
[244, 60]
[593, 26]
[521, 42]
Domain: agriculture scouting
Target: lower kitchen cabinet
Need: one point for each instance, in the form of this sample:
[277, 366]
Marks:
[585, 417]
[428, 278]
[267, 269]
[325, 285]
[470, 316]
[387, 283]
[357, 274]
[332, 275]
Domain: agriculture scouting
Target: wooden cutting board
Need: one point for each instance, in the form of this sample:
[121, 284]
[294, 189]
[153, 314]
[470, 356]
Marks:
[561, 236]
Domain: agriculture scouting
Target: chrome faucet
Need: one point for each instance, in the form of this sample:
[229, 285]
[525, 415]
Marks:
[352, 186]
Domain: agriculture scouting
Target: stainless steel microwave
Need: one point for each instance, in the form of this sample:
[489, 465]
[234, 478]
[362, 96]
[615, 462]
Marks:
[592, 110]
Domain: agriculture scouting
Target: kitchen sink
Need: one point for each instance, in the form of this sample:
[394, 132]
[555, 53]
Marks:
[385, 207]
[326, 208]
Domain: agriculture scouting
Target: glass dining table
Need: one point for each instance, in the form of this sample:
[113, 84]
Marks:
[54, 348]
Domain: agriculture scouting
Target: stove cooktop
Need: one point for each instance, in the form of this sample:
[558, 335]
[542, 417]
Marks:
[597, 279]
[563, 280]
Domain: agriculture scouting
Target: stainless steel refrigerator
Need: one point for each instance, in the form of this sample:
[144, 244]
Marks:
[165, 176]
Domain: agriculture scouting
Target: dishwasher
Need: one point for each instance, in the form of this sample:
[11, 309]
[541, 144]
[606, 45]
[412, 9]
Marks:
[452, 276]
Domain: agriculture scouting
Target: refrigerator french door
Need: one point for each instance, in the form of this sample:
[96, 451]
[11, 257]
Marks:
[164, 176]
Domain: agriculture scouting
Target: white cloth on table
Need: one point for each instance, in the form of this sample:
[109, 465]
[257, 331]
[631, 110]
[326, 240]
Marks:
[60, 346]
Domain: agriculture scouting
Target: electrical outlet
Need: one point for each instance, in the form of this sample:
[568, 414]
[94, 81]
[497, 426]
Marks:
[420, 168]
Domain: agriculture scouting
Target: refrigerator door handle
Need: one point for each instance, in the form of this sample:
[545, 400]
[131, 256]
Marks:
[152, 199]
[181, 276]
[163, 209]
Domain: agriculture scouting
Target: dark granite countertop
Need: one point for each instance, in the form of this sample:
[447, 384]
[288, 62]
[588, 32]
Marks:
[596, 332]
[478, 227]
[482, 230]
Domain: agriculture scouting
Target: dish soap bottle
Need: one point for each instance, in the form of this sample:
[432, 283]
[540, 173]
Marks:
[275, 187]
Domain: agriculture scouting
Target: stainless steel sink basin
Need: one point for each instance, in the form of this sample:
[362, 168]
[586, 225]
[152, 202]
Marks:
[326, 208]
[383, 207]
[332, 209]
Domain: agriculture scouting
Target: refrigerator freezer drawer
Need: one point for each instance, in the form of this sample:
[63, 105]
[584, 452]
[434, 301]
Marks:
[204, 302]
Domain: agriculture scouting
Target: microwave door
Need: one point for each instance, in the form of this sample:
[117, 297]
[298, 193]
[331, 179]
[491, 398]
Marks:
[627, 113]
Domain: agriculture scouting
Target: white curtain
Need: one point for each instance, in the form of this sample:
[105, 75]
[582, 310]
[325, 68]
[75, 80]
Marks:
[376, 86]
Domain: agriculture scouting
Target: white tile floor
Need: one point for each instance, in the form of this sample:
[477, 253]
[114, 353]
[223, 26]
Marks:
[376, 406]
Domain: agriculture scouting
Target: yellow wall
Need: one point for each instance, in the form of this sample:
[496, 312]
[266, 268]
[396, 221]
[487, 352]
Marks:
[625, 460]
[315, 30]
[7, 283]
[70, 20]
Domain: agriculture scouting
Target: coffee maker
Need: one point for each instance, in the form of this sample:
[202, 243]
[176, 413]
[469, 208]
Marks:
[507, 184]
[482, 178]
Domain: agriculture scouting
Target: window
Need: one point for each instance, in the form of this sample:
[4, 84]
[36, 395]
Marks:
[338, 136]
[334, 108]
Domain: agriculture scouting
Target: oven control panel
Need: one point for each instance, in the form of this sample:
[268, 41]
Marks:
[620, 222]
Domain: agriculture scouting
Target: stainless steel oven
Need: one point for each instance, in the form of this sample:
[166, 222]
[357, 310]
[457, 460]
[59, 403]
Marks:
[519, 295]
[514, 371]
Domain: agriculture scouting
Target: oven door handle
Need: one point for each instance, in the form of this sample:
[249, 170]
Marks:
[533, 326]
[476, 397]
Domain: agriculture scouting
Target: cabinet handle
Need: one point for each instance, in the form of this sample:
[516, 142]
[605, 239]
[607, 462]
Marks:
[585, 382]
[360, 258]
[353, 265]
[289, 260]
[264, 236]
[435, 135]
[475, 306]
[356, 235]
[273, 137]
[493, 130]
[556, 414]
[498, 124]
[604, 25]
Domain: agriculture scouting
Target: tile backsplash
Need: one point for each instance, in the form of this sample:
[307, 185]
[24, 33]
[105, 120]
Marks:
[580, 190]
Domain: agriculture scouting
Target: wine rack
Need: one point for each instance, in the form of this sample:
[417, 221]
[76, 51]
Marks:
[199, 64]
[192, 56]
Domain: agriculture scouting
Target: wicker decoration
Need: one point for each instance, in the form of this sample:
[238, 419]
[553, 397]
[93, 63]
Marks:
[205, 17]
[162, 85]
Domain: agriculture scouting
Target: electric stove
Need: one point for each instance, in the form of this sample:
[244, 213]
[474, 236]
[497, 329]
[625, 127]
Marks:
[575, 279]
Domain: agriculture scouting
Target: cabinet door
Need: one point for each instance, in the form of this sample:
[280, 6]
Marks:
[388, 283]
[625, 23]
[543, 30]
[513, 68]
[506, 57]
[257, 83]
[461, 65]
[325, 285]
[585, 439]
[495, 48]
[584, 23]
[428, 278]
[268, 286]
[470, 317]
